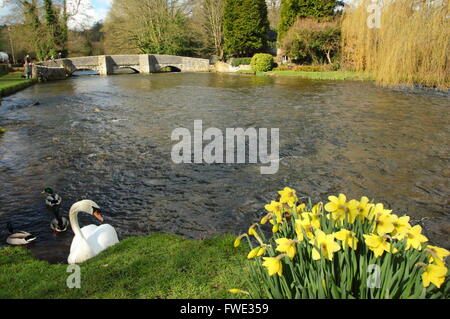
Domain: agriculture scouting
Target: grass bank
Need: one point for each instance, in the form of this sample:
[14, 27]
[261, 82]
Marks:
[12, 83]
[156, 266]
[321, 75]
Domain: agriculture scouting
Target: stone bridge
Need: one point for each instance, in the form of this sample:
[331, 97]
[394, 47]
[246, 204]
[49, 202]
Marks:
[142, 63]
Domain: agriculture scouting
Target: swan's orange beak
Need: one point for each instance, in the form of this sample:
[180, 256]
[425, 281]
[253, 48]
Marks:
[98, 215]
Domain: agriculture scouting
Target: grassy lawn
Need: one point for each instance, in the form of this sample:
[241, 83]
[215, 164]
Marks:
[12, 82]
[321, 75]
[156, 266]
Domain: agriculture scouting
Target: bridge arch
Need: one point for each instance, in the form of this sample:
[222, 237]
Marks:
[169, 68]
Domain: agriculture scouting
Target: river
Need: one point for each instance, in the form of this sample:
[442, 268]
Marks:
[109, 139]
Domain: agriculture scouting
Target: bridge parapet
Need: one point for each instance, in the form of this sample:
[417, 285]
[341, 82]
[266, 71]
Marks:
[143, 63]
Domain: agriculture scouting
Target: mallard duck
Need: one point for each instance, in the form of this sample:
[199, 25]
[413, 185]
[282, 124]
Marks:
[19, 238]
[52, 200]
[60, 223]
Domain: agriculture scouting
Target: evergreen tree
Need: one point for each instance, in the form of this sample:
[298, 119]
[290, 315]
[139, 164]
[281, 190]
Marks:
[290, 10]
[245, 27]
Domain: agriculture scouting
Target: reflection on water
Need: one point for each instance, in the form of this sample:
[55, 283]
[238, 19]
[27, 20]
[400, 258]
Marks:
[335, 137]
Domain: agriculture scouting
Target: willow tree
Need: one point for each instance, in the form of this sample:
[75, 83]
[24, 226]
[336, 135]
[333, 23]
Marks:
[245, 27]
[148, 26]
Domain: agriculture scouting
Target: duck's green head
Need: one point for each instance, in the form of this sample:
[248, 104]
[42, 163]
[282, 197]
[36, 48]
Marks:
[48, 190]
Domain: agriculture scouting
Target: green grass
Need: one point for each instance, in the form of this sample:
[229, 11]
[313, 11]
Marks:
[12, 82]
[321, 75]
[156, 266]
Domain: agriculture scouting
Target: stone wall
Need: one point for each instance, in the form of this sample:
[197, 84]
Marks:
[45, 73]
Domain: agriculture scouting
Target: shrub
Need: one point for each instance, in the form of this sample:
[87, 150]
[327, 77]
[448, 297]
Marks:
[309, 41]
[353, 249]
[262, 62]
[240, 61]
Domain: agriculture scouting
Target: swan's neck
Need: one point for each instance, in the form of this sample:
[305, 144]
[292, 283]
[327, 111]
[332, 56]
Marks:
[73, 216]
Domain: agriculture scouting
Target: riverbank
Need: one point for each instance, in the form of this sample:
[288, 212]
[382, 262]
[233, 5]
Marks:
[316, 75]
[12, 83]
[155, 266]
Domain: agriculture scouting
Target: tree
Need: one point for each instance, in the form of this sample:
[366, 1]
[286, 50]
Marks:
[213, 23]
[148, 26]
[290, 10]
[245, 27]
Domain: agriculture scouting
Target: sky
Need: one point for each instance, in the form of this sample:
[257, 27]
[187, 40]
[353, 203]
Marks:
[94, 10]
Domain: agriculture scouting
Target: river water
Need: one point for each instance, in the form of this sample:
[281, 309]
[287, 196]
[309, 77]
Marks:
[109, 139]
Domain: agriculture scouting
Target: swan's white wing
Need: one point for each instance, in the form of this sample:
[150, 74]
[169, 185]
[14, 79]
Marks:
[104, 236]
[87, 231]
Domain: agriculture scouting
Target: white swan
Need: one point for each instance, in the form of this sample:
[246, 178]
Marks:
[90, 240]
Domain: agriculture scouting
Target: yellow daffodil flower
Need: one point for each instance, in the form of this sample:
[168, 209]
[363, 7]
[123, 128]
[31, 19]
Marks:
[384, 224]
[312, 219]
[437, 254]
[378, 244]
[237, 241]
[401, 225]
[275, 227]
[434, 274]
[378, 210]
[238, 291]
[300, 208]
[339, 208]
[275, 208]
[273, 265]
[352, 211]
[287, 246]
[347, 237]
[364, 208]
[252, 254]
[414, 238]
[327, 245]
[266, 218]
[288, 197]
[304, 225]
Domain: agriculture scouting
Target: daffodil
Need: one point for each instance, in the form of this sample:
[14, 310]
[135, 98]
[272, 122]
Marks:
[304, 225]
[401, 225]
[275, 208]
[364, 208]
[252, 232]
[326, 244]
[414, 238]
[312, 219]
[434, 274]
[338, 207]
[266, 218]
[275, 227]
[288, 197]
[252, 254]
[437, 254]
[237, 241]
[300, 208]
[238, 291]
[384, 223]
[287, 246]
[377, 211]
[379, 244]
[347, 237]
[273, 265]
